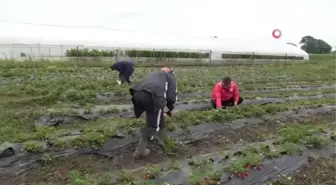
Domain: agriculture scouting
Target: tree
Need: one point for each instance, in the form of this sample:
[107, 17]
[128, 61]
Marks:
[313, 45]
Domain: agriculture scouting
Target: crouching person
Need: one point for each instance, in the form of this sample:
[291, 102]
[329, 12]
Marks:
[225, 93]
[151, 95]
[125, 69]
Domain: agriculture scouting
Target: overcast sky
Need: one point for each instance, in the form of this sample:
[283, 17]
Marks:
[238, 19]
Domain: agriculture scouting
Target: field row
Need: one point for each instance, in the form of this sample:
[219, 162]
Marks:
[49, 85]
[274, 140]
[20, 119]
[60, 97]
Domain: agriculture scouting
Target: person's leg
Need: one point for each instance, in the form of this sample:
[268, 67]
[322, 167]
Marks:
[213, 103]
[137, 100]
[122, 78]
[141, 149]
[240, 100]
[161, 135]
[119, 81]
[127, 77]
[151, 120]
[147, 133]
[228, 103]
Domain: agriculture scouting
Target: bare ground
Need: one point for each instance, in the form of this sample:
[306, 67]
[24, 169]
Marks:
[321, 171]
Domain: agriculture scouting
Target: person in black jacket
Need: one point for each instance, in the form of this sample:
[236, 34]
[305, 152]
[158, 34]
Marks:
[151, 95]
[125, 69]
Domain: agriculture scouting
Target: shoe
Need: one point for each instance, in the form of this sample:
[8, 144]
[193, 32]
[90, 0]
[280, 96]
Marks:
[141, 149]
[138, 154]
[119, 82]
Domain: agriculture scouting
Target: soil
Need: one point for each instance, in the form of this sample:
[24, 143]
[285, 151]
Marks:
[321, 171]
[56, 172]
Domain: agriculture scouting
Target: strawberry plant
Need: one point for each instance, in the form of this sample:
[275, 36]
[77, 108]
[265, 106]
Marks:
[169, 145]
[151, 172]
[241, 167]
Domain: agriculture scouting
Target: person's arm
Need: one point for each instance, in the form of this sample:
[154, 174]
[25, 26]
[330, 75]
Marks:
[113, 67]
[118, 66]
[218, 96]
[171, 93]
[236, 94]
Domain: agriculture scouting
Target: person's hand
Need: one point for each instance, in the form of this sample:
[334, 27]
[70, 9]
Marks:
[170, 113]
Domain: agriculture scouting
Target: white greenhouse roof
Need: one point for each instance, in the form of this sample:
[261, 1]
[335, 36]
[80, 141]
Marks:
[118, 39]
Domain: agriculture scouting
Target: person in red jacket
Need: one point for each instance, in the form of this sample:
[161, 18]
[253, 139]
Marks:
[225, 93]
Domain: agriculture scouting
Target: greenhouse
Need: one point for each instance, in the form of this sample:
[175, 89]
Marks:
[219, 48]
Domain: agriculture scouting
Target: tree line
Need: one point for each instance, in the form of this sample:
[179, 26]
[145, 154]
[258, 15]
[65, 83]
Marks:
[312, 45]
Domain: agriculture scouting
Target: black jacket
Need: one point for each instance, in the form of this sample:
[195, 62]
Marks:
[124, 67]
[162, 86]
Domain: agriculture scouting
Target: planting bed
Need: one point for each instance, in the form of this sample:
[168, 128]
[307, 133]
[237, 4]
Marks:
[74, 125]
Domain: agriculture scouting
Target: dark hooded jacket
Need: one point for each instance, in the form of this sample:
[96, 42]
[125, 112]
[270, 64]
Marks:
[163, 87]
[124, 67]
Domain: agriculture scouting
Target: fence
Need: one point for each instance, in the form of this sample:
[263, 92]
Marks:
[81, 53]
[22, 52]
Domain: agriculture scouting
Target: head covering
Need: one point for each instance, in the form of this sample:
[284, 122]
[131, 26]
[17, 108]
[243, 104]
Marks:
[167, 69]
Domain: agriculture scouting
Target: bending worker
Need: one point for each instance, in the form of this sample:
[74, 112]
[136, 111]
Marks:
[151, 95]
[125, 69]
[225, 93]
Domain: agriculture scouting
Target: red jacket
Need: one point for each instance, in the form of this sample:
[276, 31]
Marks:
[225, 94]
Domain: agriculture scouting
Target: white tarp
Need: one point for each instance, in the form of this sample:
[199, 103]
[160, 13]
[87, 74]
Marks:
[118, 39]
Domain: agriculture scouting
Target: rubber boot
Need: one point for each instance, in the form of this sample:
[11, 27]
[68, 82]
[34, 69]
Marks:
[142, 150]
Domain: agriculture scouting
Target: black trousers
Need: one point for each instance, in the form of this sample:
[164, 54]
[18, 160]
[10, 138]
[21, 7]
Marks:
[227, 103]
[143, 102]
[125, 77]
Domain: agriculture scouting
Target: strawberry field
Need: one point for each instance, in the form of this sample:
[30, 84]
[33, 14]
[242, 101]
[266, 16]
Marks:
[66, 124]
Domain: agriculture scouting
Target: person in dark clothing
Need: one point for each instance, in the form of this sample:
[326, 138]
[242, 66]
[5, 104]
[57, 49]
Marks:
[125, 69]
[225, 93]
[151, 95]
